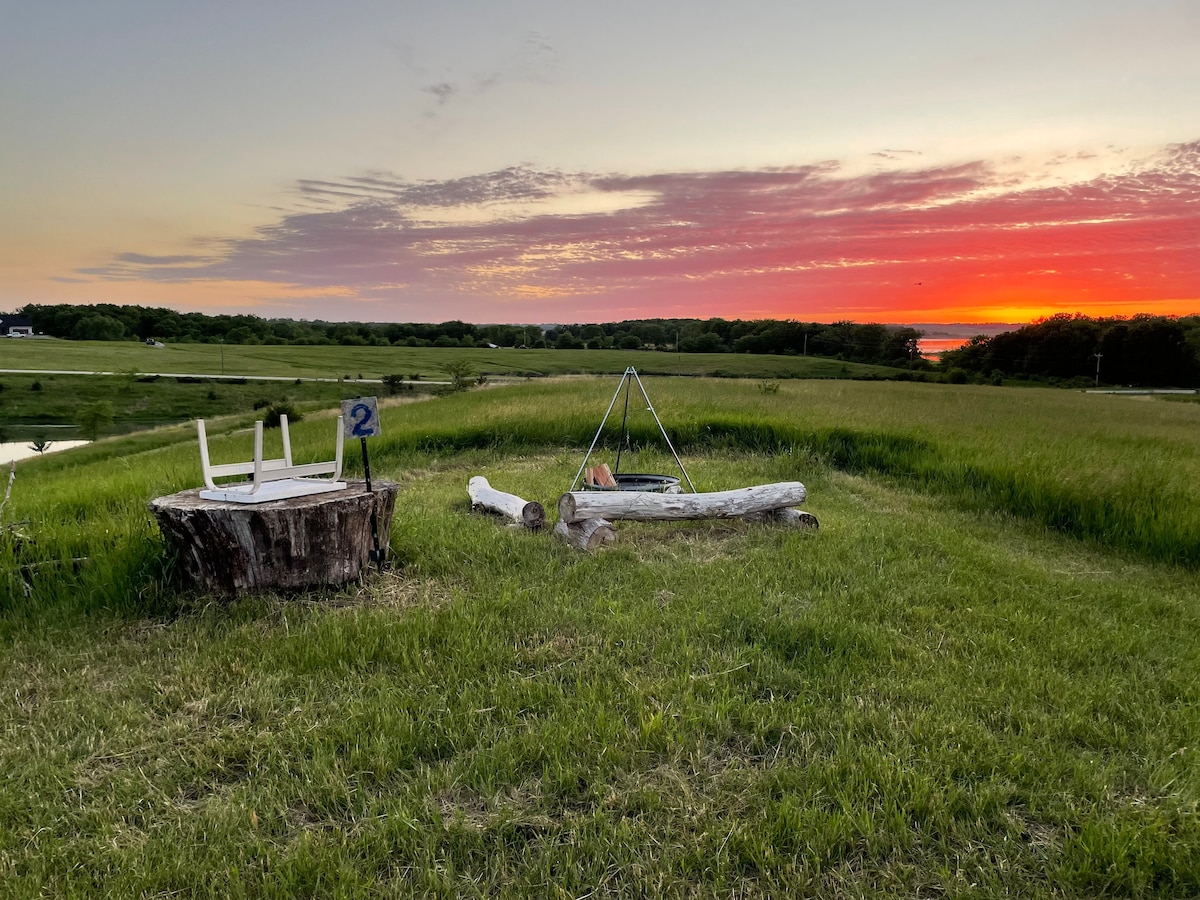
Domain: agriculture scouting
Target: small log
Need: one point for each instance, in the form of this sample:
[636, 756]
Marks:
[639, 506]
[483, 496]
[785, 516]
[322, 539]
[589, 534]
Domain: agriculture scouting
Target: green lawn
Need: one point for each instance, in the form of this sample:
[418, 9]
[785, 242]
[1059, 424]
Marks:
[975, 680]
[428, 363]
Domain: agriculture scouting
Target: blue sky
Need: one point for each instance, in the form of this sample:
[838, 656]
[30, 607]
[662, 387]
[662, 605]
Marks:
[514, 161]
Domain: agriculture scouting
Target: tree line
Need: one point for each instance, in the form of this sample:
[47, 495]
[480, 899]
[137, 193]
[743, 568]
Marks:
[1137, 351]
[854, 342]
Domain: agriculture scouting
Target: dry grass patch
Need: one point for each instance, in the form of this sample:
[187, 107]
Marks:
[390, 589]
[521, 806]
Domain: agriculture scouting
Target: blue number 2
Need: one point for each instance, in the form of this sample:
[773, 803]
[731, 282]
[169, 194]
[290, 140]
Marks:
[360, 416]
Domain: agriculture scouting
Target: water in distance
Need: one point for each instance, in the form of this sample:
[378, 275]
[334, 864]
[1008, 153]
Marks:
[14, 451]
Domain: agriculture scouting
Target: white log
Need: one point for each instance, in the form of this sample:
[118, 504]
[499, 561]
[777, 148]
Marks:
[531, 514]
[648, 507]
[785, 516]
[588, 534]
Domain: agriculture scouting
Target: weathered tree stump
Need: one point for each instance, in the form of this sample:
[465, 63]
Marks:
[531, 514]
[302, 542]
[650, 507]
[588, 534]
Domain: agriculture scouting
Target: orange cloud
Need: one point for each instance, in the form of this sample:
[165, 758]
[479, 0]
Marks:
[952, 243]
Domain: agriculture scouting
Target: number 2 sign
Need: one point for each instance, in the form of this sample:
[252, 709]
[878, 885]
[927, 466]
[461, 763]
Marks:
[360, 417]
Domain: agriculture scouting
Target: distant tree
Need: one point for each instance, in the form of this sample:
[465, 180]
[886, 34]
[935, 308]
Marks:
[40, 444]
[241, 335]
[568, 341]
[272, 417]
[651, 333]
[393, 382]
[1149, 350]
[707, 342]
[98, 328]
[95, 417]
[461, 374]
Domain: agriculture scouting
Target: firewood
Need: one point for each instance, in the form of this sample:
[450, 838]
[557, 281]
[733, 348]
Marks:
[588, 534]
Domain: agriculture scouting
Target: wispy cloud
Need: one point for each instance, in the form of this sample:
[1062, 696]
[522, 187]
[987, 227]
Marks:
[804, 240]
[532, 60]
[142, 259]
[442, 91]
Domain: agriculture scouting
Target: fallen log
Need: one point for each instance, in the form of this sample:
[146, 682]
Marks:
[576, 506]
[531, 514]
[588, 534]
[321, 539]
[785, 516]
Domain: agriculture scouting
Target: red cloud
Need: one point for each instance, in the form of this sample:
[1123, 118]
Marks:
[806, 242]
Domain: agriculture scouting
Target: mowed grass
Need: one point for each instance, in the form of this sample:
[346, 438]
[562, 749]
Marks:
[426, 362]
[926, 697]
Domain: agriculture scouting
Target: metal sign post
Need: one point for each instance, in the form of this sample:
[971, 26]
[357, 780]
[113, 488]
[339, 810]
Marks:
[361, 417]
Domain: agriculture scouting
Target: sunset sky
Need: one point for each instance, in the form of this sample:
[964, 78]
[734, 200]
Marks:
[525, 161]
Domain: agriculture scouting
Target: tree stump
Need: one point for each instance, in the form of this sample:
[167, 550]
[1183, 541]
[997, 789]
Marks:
[302, 542]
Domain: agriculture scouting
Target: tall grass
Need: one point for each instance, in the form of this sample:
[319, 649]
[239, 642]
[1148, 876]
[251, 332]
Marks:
[915, 700]
[1113, 470]
[143, 404]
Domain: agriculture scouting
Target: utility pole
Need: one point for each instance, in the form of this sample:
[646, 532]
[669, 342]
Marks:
[1098, 354]
[221, 341]
[806, 343]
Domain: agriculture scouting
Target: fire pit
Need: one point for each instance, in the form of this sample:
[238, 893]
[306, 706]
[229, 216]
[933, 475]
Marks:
[600, 478]
[632, 481]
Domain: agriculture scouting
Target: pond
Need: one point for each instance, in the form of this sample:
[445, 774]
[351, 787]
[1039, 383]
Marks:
[14, 451]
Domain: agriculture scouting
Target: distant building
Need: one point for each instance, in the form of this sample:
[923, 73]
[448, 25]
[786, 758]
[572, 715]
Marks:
[16, 326]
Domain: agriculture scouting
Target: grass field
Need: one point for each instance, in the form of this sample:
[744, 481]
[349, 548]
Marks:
[29, 403]
[428, 363]
[979, 678]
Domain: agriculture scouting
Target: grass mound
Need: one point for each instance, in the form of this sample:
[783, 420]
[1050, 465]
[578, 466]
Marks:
[931, 695]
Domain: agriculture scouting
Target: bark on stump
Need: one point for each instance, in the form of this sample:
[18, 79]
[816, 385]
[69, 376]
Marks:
[303, 542]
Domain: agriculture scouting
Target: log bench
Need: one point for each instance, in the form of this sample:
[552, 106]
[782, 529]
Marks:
[576, 506]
